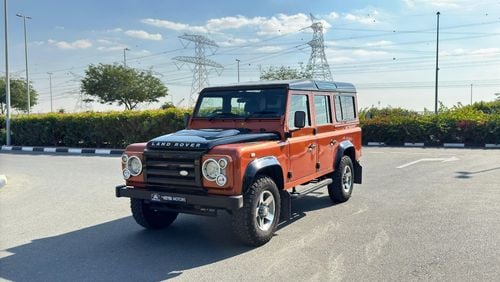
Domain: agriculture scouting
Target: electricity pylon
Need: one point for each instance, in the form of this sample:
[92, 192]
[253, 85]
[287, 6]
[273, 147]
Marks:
[200, 62]
[318, 65]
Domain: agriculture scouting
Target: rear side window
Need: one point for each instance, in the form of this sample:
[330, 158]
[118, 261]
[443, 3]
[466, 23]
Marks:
[344, 108]
[322, 107]
[298, 103]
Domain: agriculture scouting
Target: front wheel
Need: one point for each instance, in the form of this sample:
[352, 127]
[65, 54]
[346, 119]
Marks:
[343, 181]
[255, 223]
[150, 218]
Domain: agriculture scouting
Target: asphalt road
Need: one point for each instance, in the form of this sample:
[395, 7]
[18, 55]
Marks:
[437, 217]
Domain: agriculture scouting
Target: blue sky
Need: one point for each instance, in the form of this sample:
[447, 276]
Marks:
[386, 48]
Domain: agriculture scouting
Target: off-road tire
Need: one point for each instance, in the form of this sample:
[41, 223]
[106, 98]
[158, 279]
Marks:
[244, 220]
[150, 218]
[336, 189]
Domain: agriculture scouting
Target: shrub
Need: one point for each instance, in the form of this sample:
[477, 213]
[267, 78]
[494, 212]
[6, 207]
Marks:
[93, 129]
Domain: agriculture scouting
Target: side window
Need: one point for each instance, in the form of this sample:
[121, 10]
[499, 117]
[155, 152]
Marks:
[344, 108]
[322, 107]
[348, 112]
[298, 103]
[338, 109]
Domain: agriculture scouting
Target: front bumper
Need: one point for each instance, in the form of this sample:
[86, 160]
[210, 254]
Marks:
[208, 201]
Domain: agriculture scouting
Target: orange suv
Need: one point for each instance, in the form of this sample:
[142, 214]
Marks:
[248, 149]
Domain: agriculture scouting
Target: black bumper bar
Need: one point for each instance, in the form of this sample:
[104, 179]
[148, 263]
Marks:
[211, 201]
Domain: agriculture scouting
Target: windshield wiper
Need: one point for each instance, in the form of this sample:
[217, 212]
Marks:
[260, 114]
[221, 115]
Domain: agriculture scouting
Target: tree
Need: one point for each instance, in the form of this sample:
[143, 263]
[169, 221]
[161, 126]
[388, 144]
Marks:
[118, 84]
[18, 95]
[285, 73]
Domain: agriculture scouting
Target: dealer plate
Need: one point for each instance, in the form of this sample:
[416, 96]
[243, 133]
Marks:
[166, 198]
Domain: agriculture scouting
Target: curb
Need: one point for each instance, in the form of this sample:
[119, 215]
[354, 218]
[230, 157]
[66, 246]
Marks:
[3, 180]
[444, 145]
[75, 151]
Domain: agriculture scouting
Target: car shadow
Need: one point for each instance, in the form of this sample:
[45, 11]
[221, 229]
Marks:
[122, 250]
[470, 174]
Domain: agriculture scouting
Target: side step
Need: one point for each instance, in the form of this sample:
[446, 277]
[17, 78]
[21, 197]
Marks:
[311, 187]
[287, 197]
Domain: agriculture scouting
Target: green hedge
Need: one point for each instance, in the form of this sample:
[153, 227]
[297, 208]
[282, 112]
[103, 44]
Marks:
[478, 124]
[93, 129]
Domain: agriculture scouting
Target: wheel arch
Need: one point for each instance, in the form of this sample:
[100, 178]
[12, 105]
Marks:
[269, 166]
[346, 148]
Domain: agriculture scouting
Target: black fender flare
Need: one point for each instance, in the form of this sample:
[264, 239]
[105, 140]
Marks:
[257, 166]
[343, 147]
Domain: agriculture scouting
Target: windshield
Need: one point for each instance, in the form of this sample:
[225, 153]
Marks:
[258, 103]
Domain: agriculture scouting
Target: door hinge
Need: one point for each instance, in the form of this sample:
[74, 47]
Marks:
[289, 174]
[318, 165]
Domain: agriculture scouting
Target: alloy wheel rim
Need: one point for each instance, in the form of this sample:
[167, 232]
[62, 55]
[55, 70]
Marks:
[265, 211]
[347, 179]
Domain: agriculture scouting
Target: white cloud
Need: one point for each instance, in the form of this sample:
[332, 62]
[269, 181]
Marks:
[380, 43]
[141, 34]
[436, 3]
[333, 16]
[275, 25]
[366, 17]
[481, 52]
[173, 25]
[230, 42]
[367, 53]
[77, 44]
[233, 22]
[269, 49]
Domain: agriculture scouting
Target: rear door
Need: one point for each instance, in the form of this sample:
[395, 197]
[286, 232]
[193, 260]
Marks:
[325, 132]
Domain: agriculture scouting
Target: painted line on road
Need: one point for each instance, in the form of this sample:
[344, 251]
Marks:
[443, 160]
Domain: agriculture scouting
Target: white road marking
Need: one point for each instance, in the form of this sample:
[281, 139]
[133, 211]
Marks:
[444, 160]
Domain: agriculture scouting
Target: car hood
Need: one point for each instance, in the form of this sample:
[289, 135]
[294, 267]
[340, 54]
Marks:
[205, 139]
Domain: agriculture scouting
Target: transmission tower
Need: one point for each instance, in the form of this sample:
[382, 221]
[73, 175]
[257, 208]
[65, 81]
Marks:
[82, 102]
[202, 65]
[318, 65]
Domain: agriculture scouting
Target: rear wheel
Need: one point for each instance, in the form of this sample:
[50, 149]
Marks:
[150, 218]
[340, 189]
[255, 223]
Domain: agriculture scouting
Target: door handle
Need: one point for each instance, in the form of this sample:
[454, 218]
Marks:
[311, 147]
[333, 142]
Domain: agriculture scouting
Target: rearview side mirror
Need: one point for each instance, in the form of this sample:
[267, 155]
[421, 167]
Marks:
[299, 119]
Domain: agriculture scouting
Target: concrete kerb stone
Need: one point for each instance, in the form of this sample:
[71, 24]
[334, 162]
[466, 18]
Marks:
[72, 151]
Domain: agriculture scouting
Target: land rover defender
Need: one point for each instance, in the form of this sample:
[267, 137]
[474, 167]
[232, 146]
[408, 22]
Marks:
[248, 149]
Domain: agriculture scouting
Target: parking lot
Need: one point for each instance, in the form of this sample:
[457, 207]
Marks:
[421, 214]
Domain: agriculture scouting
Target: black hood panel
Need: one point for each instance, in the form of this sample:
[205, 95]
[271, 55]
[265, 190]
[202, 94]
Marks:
[205, 139]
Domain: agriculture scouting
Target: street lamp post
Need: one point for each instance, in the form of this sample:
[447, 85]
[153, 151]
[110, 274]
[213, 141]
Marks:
[50, 85]
[471, 93]
[7, 78]
[125, 56]
[238, 62]
[26, 59]
[437, 65]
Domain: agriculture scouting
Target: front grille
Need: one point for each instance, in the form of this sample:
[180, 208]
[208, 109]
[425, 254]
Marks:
[162, 169]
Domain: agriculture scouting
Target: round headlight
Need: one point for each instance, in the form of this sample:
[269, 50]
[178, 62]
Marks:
[124, 158]
[134, 164]
[126, 173]
[210, 169]
[223, 163]
[221, 180]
